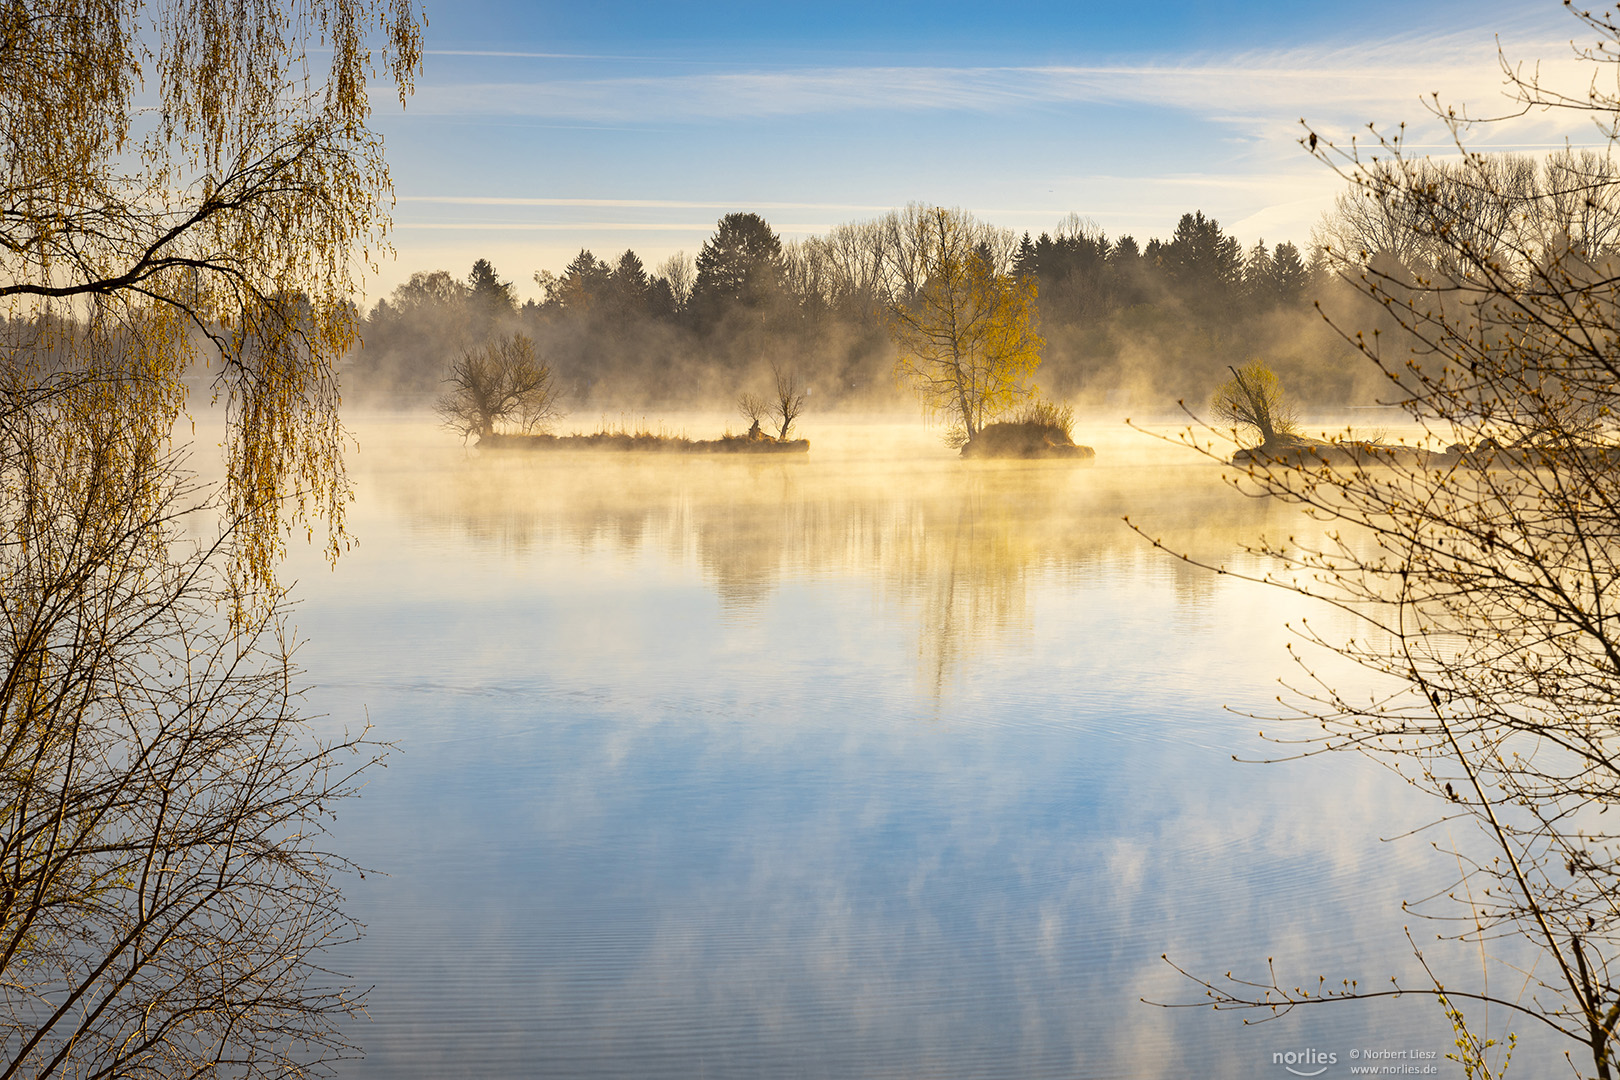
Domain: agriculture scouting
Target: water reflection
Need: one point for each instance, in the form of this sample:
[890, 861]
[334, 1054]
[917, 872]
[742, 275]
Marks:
[953, 543]
[863, 767]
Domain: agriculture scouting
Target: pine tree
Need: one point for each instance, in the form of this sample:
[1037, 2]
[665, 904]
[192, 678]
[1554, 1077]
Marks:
[1259, 281]
[630, 286]
[584, 284]
[740, 266]
[1289, 274]
[1025, 263]
[491, 297]
[1203, 264]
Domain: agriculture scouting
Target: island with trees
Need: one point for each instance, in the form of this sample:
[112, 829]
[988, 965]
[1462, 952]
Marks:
[1117, 325]
[957, 321]
[967, 345]
[1253, 403]
[923, 307]
[502, 385]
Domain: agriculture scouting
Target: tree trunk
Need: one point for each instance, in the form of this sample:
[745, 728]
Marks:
[1257, 406]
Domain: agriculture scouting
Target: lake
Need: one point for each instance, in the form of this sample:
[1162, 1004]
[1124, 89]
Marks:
[872, 764]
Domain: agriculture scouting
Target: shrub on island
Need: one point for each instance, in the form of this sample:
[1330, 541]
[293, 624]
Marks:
[1041, 429]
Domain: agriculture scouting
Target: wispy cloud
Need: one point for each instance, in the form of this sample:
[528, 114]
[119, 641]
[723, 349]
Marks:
[514, 54]
[593, 227]
[1383, 79]
[1236, 116]
[653, 204]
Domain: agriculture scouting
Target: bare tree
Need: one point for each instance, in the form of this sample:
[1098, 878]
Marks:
[789, 401]
[754, 409]
[164, 895]
[1566, 198]
[1582, 207]
[681, 273]
[1486, 574]
[846, 267]
[915, 242]
[497, 383]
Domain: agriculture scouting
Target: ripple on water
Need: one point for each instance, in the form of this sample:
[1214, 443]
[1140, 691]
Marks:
[827, 771]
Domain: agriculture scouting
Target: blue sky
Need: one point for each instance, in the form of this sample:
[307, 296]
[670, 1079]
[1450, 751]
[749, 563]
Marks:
[539, 129]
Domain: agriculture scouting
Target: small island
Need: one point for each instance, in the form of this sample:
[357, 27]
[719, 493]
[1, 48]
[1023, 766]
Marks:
[1017, 439]
[1040, 429]
[964, 336]
[504, 383]
[622, 440]
[1252, 398]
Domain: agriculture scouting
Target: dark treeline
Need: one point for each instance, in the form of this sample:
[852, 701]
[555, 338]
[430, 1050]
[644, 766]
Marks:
[1155, 323]
[1125, 323]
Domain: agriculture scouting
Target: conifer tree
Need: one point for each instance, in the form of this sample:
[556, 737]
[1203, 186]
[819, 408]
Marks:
[740, 266]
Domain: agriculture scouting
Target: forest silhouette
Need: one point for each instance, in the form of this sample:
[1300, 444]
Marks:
[1125, 323]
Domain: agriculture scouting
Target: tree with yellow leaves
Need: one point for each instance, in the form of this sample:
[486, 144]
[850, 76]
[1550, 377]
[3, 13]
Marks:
[228, 211]
[965, 331]
[185, 185]
[1253, 400]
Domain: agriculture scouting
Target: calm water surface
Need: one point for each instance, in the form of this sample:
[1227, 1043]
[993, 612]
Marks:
[876, 764]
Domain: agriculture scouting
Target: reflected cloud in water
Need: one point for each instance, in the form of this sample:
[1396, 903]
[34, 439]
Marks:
[879, 764]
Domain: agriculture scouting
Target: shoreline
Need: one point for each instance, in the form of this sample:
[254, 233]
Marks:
[619, 442]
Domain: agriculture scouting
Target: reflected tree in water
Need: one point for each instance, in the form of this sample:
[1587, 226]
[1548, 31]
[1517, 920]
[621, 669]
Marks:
[958, 559]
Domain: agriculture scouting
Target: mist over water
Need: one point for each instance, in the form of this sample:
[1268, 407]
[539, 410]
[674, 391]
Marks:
[870, 763]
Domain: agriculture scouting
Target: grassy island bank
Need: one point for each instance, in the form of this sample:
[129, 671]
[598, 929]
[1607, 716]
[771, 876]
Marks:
[646, 441]
[1026, 440]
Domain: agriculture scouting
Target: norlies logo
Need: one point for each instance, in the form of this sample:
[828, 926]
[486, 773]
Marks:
[1310, 1061]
